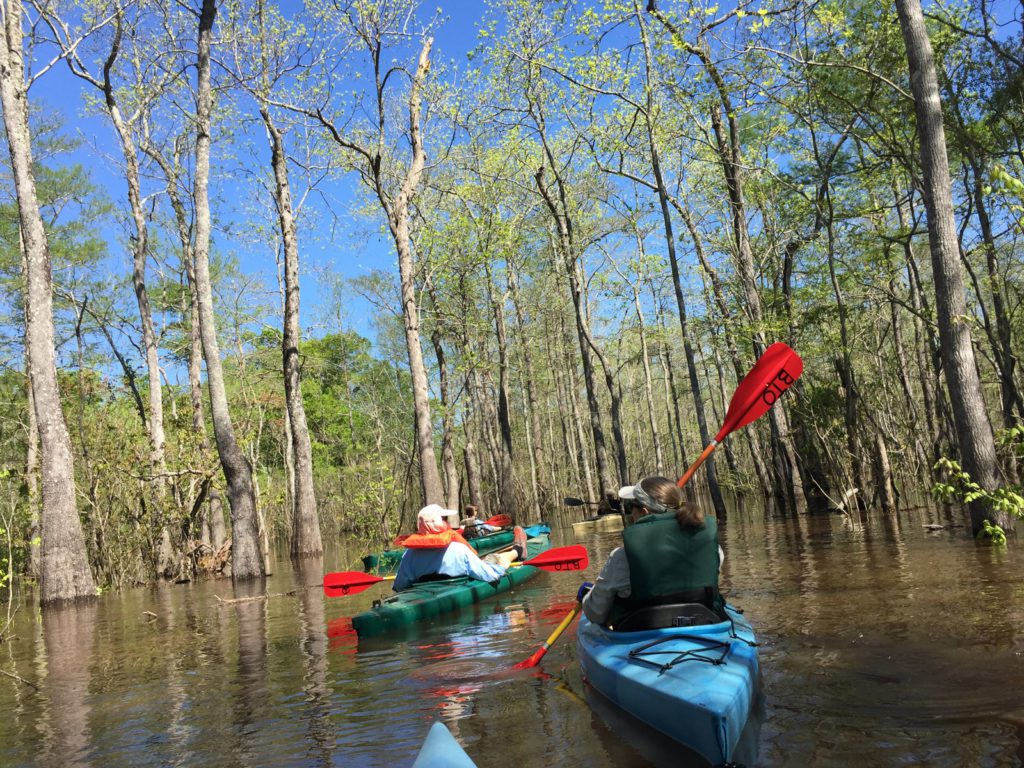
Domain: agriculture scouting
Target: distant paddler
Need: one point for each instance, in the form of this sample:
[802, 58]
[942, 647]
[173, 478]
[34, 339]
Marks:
[436, 549]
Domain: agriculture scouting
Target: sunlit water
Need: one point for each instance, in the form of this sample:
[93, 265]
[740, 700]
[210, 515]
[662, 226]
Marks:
[883, 644]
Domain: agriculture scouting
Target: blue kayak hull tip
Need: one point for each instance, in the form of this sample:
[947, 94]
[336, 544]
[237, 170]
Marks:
[441, 750]
[704, 706]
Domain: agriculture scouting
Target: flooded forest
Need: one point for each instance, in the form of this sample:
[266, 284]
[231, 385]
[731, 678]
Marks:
[538, 243]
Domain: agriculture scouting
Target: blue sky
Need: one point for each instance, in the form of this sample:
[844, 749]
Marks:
[338, 244]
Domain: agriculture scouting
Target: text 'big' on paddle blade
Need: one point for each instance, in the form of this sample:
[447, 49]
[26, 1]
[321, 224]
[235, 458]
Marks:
[774, 372]
[344, 583]
[571, 558]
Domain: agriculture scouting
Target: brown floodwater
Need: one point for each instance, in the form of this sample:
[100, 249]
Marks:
[883, 643]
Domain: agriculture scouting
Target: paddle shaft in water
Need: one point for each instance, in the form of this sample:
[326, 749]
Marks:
[537, 655]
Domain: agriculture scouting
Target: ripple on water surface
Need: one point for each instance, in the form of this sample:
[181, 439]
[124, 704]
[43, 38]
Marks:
[883, 644]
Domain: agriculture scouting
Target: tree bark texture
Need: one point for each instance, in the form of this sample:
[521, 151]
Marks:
[670, 244]
[306, 539]
[448, 463]
[398, 222]
[506, 500]
[64, 571]
[563, 226]
[974, 430]
[542, 486]
[246, 557]
[473, 475]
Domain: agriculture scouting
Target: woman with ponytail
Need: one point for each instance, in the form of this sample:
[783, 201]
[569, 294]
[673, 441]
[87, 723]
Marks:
[670, 555]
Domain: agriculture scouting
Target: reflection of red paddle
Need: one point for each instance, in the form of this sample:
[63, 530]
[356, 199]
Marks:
[772, 374]
[571, 558]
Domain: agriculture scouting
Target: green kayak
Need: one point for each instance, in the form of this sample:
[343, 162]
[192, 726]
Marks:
[428, 599]
[386, 563]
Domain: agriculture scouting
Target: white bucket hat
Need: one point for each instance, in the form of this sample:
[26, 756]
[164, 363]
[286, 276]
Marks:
[431, 519]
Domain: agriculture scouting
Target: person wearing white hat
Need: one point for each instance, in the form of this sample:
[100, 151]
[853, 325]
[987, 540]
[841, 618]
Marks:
[436, 550]
[670, 554]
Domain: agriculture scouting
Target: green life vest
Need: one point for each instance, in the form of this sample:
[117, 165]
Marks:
[670, 564]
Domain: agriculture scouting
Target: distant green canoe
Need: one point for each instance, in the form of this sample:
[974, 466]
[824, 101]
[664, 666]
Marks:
[429, 599]
[386, 563]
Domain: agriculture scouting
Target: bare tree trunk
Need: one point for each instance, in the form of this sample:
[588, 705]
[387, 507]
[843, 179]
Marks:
[542, 485]
[565, 245]
[670, 244]
[397, 211]
[788, 481]
[65, 574]
[659, 459]
[844, 363]
[576, 421]
[306, 539]
[924, 343]
[451, 470]
[671, 406]
[1001, 338]
[31, 459]
[140, 254]
[214, 513]
[977, 445]
[507, 502]
[472, 475]
[757, 453]
[883, 475]
[246, 557]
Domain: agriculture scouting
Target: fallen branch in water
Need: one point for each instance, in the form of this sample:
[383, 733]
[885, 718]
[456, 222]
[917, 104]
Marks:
[19, 679]
[222, 601]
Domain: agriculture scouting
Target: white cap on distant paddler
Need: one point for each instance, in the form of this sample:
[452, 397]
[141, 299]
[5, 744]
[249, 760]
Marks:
[431, 519]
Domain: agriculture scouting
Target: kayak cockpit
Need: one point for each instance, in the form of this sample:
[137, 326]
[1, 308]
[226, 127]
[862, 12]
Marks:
[668, 615]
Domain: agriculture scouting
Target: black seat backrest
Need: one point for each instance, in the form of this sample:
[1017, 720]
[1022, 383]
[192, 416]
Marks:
[668, 615]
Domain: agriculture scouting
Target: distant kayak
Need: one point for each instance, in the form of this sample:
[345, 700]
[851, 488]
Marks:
[427, 599]
[696, 684]
[441, 750]
[601, 523]
[386, 562]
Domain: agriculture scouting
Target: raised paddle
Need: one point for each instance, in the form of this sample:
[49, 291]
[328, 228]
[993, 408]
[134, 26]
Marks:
[774, 372]
[569, 501]
[571, 558]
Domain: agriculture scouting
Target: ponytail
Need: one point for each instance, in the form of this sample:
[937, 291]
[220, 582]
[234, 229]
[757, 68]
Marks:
[670, 496]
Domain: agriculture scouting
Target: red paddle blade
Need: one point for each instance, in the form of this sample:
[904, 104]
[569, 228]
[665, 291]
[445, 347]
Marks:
[774, 372]
[572, 558]
[400, 539]
[347, 583]
[499, 521]
[534, 659]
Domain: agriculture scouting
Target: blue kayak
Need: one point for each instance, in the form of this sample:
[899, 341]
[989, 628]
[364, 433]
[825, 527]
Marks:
[696, 683]
[441, 750]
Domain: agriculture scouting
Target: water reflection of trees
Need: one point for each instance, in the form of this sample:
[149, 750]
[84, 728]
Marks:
[310, 573]
[250, 683]
[68, 641]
